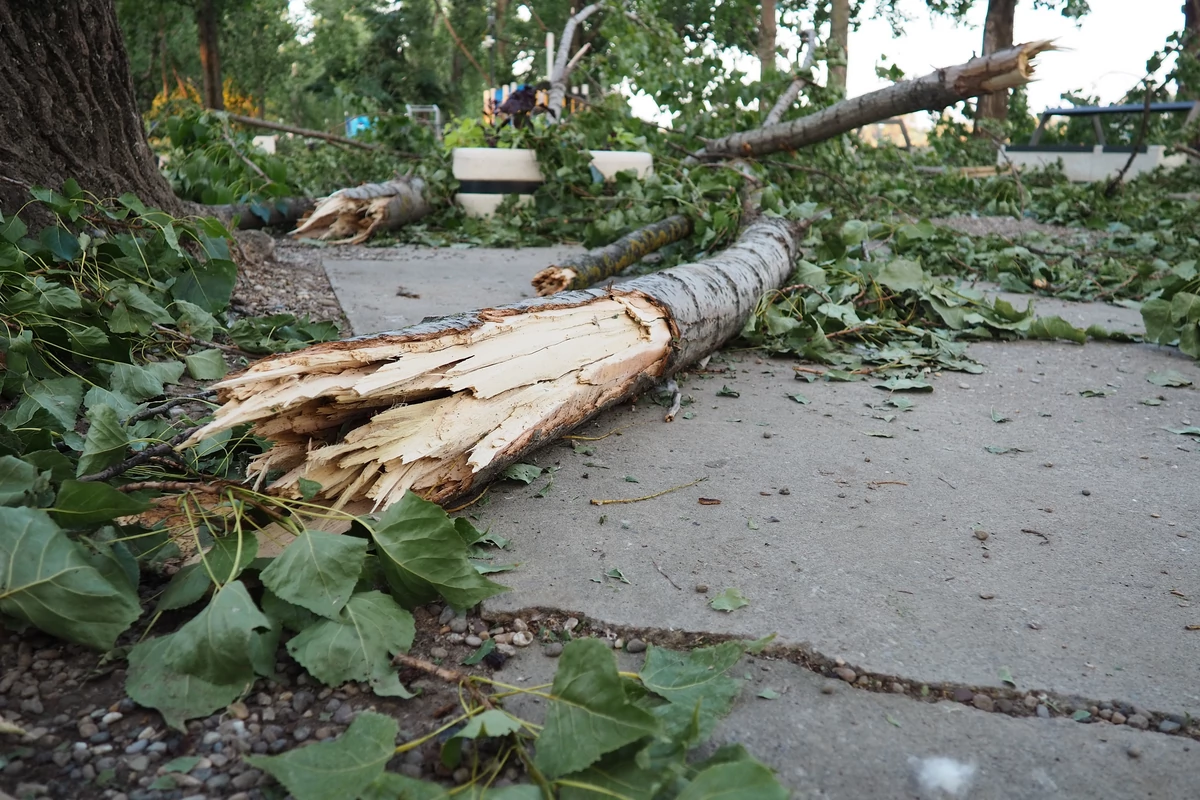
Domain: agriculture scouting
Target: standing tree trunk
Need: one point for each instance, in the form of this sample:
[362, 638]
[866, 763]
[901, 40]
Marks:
[207, 25]
[997, 35]
[839, 45]
[68, 106]
[1191, 29]
[766, 50]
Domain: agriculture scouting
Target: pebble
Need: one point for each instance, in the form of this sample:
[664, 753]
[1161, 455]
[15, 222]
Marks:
[302, 701]
[1133, 751]
[635, 646]
[412, 771]
[897, 687]
[111, 717]
[983, 702]
[447, 614]
[1030, 701]
[553, 650]
[701, 588]
[211, 738]
[458, 625]
[785, 490]
[1004, 705]
[302, 733]
[438, 652]
[828, 687]
[1086, 492]
[1168, 726]
[247, 779]
[87, 730]
[147, 732]
[139, 763]
[32, 706]
[1138, 721]
[963, 695]
[507, 649]
[767, 434]
[1118, 718]
[846, 674]
[519, 625]
[343, 715]
[323, 733]
[137, 747]
[981, 535]
[1043, 711]
[461, 775]
[987, 596]
[217, 782]
[522, 639]
[572, 623]
[473, 641]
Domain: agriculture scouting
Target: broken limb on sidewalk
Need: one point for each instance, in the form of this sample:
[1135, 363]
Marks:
[592, 267]
[350, 216]
[443, 406]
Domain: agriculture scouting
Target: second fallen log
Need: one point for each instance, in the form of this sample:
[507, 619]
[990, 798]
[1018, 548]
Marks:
[442, 407]
[352, 215]
[595, 265]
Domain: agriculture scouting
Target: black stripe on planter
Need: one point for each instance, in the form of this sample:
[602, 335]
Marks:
[498, 187]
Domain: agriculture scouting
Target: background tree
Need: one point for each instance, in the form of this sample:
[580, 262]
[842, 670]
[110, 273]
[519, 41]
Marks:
[69, 108]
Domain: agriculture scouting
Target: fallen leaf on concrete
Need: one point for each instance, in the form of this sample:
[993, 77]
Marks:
[1192, 431]
[878, 434]
[998, 417]
[996, 449]
[799, 398]
[1096, 392]
[725, 391]
[616, 574]
[1151, 401]
[525, 473]
[769, 694]
[1005, 675]
[1168, 377]
[729, 600]
[1191, 627]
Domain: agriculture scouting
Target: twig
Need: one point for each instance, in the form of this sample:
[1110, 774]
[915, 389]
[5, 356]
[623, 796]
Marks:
[187, 337]
[809, 370]
[1111, 189]
[799, 79]
[876, 484]
[676, 400]
[309, 134]
[1189, 151]
[176, 486]
[1037, 533]
[240, 154]
[154, 411]
[469, 503]
[563, 64]
[445, 673]
[948, 483]
[574, 62]
[649, 496]
[665, 575]
[454, 35]
[140, 458]
[596, 438]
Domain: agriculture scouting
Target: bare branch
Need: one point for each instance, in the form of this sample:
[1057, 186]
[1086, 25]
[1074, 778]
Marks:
[563, 64]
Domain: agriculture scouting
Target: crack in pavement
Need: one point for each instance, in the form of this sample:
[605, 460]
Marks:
[988, 699]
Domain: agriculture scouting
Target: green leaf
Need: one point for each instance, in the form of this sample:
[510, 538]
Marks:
[1169, 377]
[308, 488]
[178, 697]
[80, 504]
[358, 645]
[195, 321]
[1005, 675]
[106, 442]
[729, 600]
[46, 580]
[878, 434]
[1081, 715]
[289, 615]
[725, 391]
[905, 385]
[17, 480]
[182, 764]
[693, 679]
[340, 769]
[208, 286]
[589, 712]
[142, 382]
[61, 243]
[207, 365]
[999, 418]
[1056, 328]
[902, 275]
[225, 560]
[423, 556]
[1185, 307]
[525, 473]
[810, 274]
[487, 647]
[1151, 401]
[1156, 316]
[769, 694]
[616, 574]
[900, 402]
[317, 571]
[492, 723]
[799, 398]
[998, 450]
[1191, 431]
[60, 397]
[214, 646]
[1096, 392]
[841, 375]
[736, 780]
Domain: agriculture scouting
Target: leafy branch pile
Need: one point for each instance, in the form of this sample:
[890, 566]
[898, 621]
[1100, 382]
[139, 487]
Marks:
[605, 734]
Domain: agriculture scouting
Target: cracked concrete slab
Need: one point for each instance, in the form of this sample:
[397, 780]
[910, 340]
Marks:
[1083, 586]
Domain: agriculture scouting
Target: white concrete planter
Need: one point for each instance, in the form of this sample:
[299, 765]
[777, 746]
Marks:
[489, 174]
[1085, 164]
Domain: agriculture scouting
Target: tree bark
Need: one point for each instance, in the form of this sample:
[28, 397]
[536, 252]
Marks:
[997, 36]
[68, 107]
[208, 27]
[800, 78]
[608, 261]
[353, 215]
[766, 48]
[563, 64]
[443, 406]
[839, 45]
[1191, 29]
[999, 71]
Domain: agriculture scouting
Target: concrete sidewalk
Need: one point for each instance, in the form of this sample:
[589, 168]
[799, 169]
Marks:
[856, 530]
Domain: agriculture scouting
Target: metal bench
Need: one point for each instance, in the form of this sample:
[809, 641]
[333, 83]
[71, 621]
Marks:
[1095, 112]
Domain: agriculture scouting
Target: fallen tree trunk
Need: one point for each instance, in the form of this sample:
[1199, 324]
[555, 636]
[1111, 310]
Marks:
[1001, 70]
[306, 132]
[443, 406]
[350, 216]
[280, 212]
[605, 262]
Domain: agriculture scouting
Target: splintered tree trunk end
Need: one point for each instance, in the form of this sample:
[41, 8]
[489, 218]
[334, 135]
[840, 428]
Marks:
[443, 407]
[350, 216]
[596, 265]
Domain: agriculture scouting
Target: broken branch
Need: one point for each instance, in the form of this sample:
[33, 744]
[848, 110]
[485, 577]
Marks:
[563, 64]
[604, 262]
[352, 215]
[649, 496]
[799, 81]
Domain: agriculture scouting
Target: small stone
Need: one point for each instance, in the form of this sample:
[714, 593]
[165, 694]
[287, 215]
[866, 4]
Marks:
[344, 715]
[137, 747]
[1043, 712]
[438, 652]
[1169, 726]
[963, 695]
[247, 779]
[239, 710]
[1133, 751]
[987, 596]
[828, 687]
[503, 638]
[412, 771]
[519, 625]
[302, 733]
[147, 732]
[635, 646]
[88, 729]
[983, 702]
[458, 625]
[302, 701]
[570, 624]
[447, 614]
[701, 588]
[981, 535]
[455, 638]
[473, 641]
[1118, 718]
[1086, 493]
[322, 734]
[211, 738]
[217, 782]
[785, 490]
[111, 717]
[1105, 713]
[461, 775]
[897, 688]
[507, 649]
[767, 434]
[1138, 721]
[553, 650]
[522, 639]
[33, 706]
[618, 643]
[846, 674]
[1004, 705]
